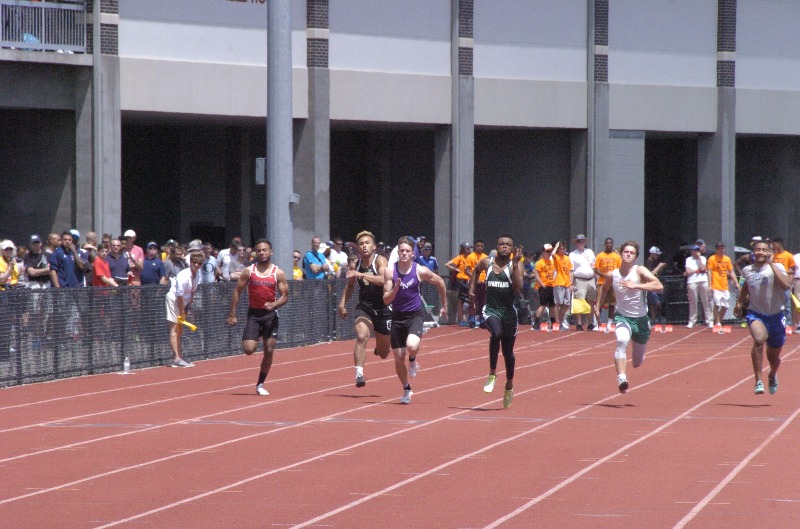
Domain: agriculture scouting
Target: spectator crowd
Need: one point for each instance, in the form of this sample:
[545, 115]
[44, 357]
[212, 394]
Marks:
[554, 277]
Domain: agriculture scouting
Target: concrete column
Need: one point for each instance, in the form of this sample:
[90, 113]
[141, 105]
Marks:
[312, 174]
[462, 131]
[716, 176]
[312, 163]
[442, 230]
[246, 177]
[279, 178]
[85, 183]
[111, 189]
[619, 193]
[578, 191]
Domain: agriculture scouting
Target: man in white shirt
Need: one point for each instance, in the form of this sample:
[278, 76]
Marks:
[697, 287]
[177, 304]
[224, 258]
[338, 257]
[583, 286]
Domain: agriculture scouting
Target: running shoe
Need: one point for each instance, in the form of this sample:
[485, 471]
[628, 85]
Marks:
[413, 367]
[689, 326]
[623, 384]
[759, 388]
[261, 390]
[773, 385]
[181, 363]
[406, 398]
[489, 386]
[508, 396]
[360, 381]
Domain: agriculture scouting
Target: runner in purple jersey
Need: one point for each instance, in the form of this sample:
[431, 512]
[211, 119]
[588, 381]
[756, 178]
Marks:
[401, 290]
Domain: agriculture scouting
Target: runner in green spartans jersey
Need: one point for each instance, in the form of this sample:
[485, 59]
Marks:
[503, 284]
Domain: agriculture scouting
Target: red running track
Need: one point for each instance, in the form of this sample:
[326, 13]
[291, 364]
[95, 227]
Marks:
[689, 445]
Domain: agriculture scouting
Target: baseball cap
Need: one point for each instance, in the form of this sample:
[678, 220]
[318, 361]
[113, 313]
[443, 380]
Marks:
[756, 238]
[196, 246]
[655, 250]
[8, 243]
[323, 247]
[699, 242]
[130, 233]
[152, 243]
[172, 241]
[580, 237]
[547, 247]
[466, 245]
[695, 247]
[35, 238]
[720, 244]
[75, 233]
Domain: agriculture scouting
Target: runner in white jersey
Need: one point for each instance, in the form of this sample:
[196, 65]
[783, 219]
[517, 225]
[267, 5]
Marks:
[761, 303]
[630, 283]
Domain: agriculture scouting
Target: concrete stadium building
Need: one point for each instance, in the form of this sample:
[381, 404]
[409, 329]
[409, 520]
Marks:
[654, 120]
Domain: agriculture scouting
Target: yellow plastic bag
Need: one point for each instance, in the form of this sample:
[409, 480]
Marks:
[580, 306]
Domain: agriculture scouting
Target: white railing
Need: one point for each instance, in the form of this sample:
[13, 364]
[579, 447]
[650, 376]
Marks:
[43, 26]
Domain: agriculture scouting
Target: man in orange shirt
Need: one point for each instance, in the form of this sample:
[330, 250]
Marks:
[545, 282]
[720, 271]
[562, 282]
[476, 310]
[780, 255]
[606, 262]
[458, 267]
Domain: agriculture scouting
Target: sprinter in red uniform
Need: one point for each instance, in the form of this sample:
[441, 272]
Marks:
[264, 281]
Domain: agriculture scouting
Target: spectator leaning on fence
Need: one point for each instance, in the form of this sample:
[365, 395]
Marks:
[118, 263]
[9, 276]
[297, 271]
[135, 257]
[153, 272]
[175, 262]
[102, 274]
[315, 266]
[225, 257]
[208, 273]
[37, 265]
[64, 262]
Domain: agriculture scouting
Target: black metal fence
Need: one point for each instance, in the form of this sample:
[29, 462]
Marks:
[54, 333]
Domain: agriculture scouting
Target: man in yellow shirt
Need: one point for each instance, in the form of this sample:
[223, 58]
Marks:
[606, 262]
[458, 269]
[545, 281]
[720, 271]
[9, 275]
[780, 255]
[562, 282]
[476, 310]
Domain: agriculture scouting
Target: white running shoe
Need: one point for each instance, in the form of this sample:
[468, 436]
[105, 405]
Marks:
[406, 398]
[622, 383]
[181, 363]
[261, 390]
[413, 367]
[489, 386]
